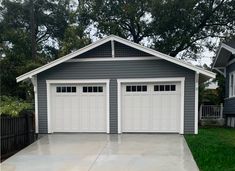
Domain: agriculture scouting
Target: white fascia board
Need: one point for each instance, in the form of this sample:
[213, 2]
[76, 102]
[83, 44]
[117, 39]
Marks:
[196, 102]
[120, 40]
[63, 59]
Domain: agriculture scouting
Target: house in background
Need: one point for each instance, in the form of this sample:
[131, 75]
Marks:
[225, 64]
[115, 86]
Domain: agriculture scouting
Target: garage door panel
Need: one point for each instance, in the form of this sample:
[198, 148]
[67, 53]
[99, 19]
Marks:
[139, 105]
[79, 111]
[151, 111]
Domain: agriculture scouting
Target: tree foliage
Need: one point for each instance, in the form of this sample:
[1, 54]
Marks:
[172, 25]
[12, 106]
[181, 24]
[52, 36]
[120, 17]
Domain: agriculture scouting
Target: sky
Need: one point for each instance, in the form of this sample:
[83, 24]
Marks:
[206, 58]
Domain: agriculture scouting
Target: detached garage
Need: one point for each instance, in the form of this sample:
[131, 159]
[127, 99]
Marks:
[116, 86]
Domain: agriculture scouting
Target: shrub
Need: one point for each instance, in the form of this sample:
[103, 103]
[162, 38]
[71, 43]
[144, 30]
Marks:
[12, 106]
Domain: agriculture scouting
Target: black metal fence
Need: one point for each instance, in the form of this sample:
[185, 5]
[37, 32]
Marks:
[16, 133]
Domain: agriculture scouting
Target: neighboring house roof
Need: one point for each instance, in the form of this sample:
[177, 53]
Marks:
[223, 55]
[205, 74]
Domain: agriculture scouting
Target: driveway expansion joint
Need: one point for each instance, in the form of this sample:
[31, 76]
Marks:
[98, 155]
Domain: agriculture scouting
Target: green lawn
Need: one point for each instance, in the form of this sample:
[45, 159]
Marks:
[213, 149]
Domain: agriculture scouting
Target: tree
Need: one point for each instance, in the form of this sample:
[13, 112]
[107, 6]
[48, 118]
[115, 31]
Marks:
[125, 18]
[172, 25]
[31, 36]
[183, 24]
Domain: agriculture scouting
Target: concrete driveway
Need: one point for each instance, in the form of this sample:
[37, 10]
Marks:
[103, 152]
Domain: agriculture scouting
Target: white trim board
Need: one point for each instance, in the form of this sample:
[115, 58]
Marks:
[196, 103]
[35, 88]
[49, 82]
[113, 59]
[231, 89]
[149, 80]
[120, 40]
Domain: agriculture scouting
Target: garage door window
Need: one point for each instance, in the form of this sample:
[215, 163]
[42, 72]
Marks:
[66, 89]
[136, 88]
[92, 89]
[164, 88]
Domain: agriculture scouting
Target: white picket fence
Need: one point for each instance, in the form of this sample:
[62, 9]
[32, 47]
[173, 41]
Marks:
[211, 111]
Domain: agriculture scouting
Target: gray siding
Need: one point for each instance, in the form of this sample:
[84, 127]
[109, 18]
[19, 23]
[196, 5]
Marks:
[102, 51]
[122, 50]
[113, 106]
[229, 104]
[114, 70]
[105, 51]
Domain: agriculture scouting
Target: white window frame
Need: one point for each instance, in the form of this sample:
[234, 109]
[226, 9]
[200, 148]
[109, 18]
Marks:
[231, 84]
[149, 80]
[88, 81]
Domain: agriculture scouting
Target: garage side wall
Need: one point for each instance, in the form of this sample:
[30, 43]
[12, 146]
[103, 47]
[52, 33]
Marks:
[114, 70]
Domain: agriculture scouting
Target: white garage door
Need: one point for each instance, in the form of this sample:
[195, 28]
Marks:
[78, 107]
[151, 107]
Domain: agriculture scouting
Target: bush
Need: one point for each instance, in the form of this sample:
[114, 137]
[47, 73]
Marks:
[12, 106]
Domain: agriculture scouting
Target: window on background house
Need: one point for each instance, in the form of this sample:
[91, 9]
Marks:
[232, 84]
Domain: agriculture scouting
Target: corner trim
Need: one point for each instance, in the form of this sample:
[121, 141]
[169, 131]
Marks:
[196, 103]
[35, 88]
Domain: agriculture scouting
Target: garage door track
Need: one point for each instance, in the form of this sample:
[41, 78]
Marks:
[103, 152]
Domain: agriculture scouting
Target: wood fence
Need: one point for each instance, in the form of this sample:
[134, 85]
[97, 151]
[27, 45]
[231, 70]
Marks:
[16, 133]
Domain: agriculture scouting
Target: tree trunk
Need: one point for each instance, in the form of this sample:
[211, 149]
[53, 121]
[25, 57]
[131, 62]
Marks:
[32, 30]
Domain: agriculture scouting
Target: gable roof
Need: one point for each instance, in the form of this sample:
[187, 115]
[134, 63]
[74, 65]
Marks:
[224, 53]
[157, 54]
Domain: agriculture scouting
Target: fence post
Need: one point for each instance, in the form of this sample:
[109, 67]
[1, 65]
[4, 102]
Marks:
[200, 111]
[221, 110]
[28, 128]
